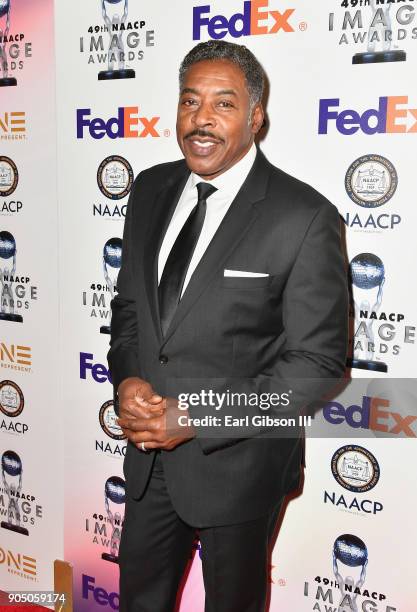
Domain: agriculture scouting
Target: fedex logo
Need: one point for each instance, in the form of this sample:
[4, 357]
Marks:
[127, 124]
[391, 117]
[99, 372]
[251, 22]
[97, 594]
[372, 414]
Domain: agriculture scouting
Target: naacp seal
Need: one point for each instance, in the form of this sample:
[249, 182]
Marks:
[12, 401]
[355, 468]
[107, 417]
[115, 177]
[371, 180]
[9, 176]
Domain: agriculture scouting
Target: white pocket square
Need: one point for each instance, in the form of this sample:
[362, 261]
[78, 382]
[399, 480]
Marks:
[244, 274]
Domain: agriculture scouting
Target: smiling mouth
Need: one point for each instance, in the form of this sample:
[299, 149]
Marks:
[199, 143]
[202, 147]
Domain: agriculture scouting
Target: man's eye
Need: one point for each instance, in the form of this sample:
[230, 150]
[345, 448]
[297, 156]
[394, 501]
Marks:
[225, 104]
[189, 102]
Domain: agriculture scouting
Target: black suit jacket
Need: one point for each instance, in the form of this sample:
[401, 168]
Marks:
[289, 325]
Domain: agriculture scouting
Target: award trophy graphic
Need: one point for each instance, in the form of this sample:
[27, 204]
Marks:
[367, 273]
[114, 490]
[112, 260]
[351, 551]
[11, 465]
[116, 52]
[7, 269]
[380, 31]
[5, 80]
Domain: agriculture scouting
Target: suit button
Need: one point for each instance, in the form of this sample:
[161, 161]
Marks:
[163, 359]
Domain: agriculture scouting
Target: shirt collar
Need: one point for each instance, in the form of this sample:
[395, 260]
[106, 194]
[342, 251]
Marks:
[231, 180]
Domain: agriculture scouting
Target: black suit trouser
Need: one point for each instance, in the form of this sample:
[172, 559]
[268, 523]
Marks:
[156, 546]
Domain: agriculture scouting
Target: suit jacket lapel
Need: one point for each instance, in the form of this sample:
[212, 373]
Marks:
[236, 223]
[163, 209]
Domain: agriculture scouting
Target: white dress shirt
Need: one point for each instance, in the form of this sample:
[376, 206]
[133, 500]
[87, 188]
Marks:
[228, 185]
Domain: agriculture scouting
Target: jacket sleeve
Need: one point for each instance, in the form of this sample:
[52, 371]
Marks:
[315, 317]
[122, 356]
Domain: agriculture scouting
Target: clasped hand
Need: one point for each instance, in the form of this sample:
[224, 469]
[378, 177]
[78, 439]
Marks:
[148, 418]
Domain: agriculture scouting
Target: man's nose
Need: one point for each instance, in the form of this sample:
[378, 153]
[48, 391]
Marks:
[204, 116]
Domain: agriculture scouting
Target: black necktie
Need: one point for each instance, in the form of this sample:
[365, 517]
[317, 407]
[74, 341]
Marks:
[175, 270]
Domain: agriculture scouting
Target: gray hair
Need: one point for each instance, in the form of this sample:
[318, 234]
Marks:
[238, 55]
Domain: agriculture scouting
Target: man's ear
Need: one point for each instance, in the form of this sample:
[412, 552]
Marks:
[257, 118]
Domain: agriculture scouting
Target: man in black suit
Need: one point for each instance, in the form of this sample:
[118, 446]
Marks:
[232, 272]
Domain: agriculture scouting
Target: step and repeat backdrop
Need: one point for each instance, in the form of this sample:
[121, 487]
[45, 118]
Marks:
[31, 429]
[88, 94]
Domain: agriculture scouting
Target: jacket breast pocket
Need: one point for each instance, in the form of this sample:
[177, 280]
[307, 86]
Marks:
[246, 282]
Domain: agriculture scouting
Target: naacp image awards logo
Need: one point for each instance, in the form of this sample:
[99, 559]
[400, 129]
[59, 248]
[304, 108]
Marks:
[118, 40]
[377, 27]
